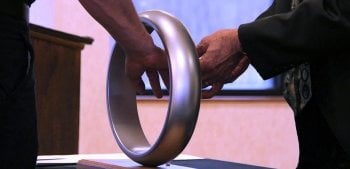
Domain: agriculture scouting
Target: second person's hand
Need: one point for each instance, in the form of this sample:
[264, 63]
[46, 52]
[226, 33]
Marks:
[221, 60]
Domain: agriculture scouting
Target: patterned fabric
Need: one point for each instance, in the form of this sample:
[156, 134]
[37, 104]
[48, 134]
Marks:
[297, 90]
[297, 82]
[295, 3]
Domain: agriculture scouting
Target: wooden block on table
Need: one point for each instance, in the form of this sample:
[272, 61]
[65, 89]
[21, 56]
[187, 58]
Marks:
[120, 164]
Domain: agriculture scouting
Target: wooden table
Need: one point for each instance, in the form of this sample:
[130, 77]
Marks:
[120, 161]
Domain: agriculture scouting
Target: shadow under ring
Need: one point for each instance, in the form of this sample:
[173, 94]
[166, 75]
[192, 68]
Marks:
[184, 95]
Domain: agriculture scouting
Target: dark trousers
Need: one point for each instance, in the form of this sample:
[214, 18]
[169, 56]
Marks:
[319, 148]
[18, 130]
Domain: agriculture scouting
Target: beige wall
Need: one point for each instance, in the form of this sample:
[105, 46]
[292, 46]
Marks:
[247, 130]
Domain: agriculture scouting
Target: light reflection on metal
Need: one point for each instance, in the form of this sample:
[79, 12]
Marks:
[184, 98]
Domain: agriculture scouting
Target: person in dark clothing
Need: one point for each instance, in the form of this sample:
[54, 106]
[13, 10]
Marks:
[289, 34]
[18, 135]
[18, 130]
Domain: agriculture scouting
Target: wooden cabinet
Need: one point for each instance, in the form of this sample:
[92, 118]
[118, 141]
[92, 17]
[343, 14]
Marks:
[57, 74]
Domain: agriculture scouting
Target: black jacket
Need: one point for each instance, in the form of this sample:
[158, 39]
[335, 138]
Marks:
[317, 32]
[29, 2]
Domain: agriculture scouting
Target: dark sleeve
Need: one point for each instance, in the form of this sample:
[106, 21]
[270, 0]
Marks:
[277, 7]
[313, 31]
[29, 2]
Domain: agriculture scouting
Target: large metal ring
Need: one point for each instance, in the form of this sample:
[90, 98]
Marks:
[184, 96]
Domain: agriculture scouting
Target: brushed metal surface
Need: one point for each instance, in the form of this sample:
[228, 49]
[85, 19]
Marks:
[184, 96]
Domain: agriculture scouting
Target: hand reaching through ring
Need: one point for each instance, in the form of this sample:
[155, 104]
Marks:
[154, 63]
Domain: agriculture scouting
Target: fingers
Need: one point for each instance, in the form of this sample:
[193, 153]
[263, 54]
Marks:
[215, 89]
[240, 68]
[139, 85]
[201, 48]
[164, 74]
[151, 62]
[219, 79]
[212, 71]
[156, 60]
[154, 82]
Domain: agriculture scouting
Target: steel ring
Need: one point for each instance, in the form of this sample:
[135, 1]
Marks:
[184, 96]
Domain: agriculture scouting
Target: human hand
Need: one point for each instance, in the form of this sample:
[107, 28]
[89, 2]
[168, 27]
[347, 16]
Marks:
[221, 60]
[153, 61]
[217, 86]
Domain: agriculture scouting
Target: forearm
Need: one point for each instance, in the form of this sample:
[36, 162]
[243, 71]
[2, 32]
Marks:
[120, 19]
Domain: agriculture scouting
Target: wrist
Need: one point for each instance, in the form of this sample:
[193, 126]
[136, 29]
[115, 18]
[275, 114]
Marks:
[236, 41]
[140, 46]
